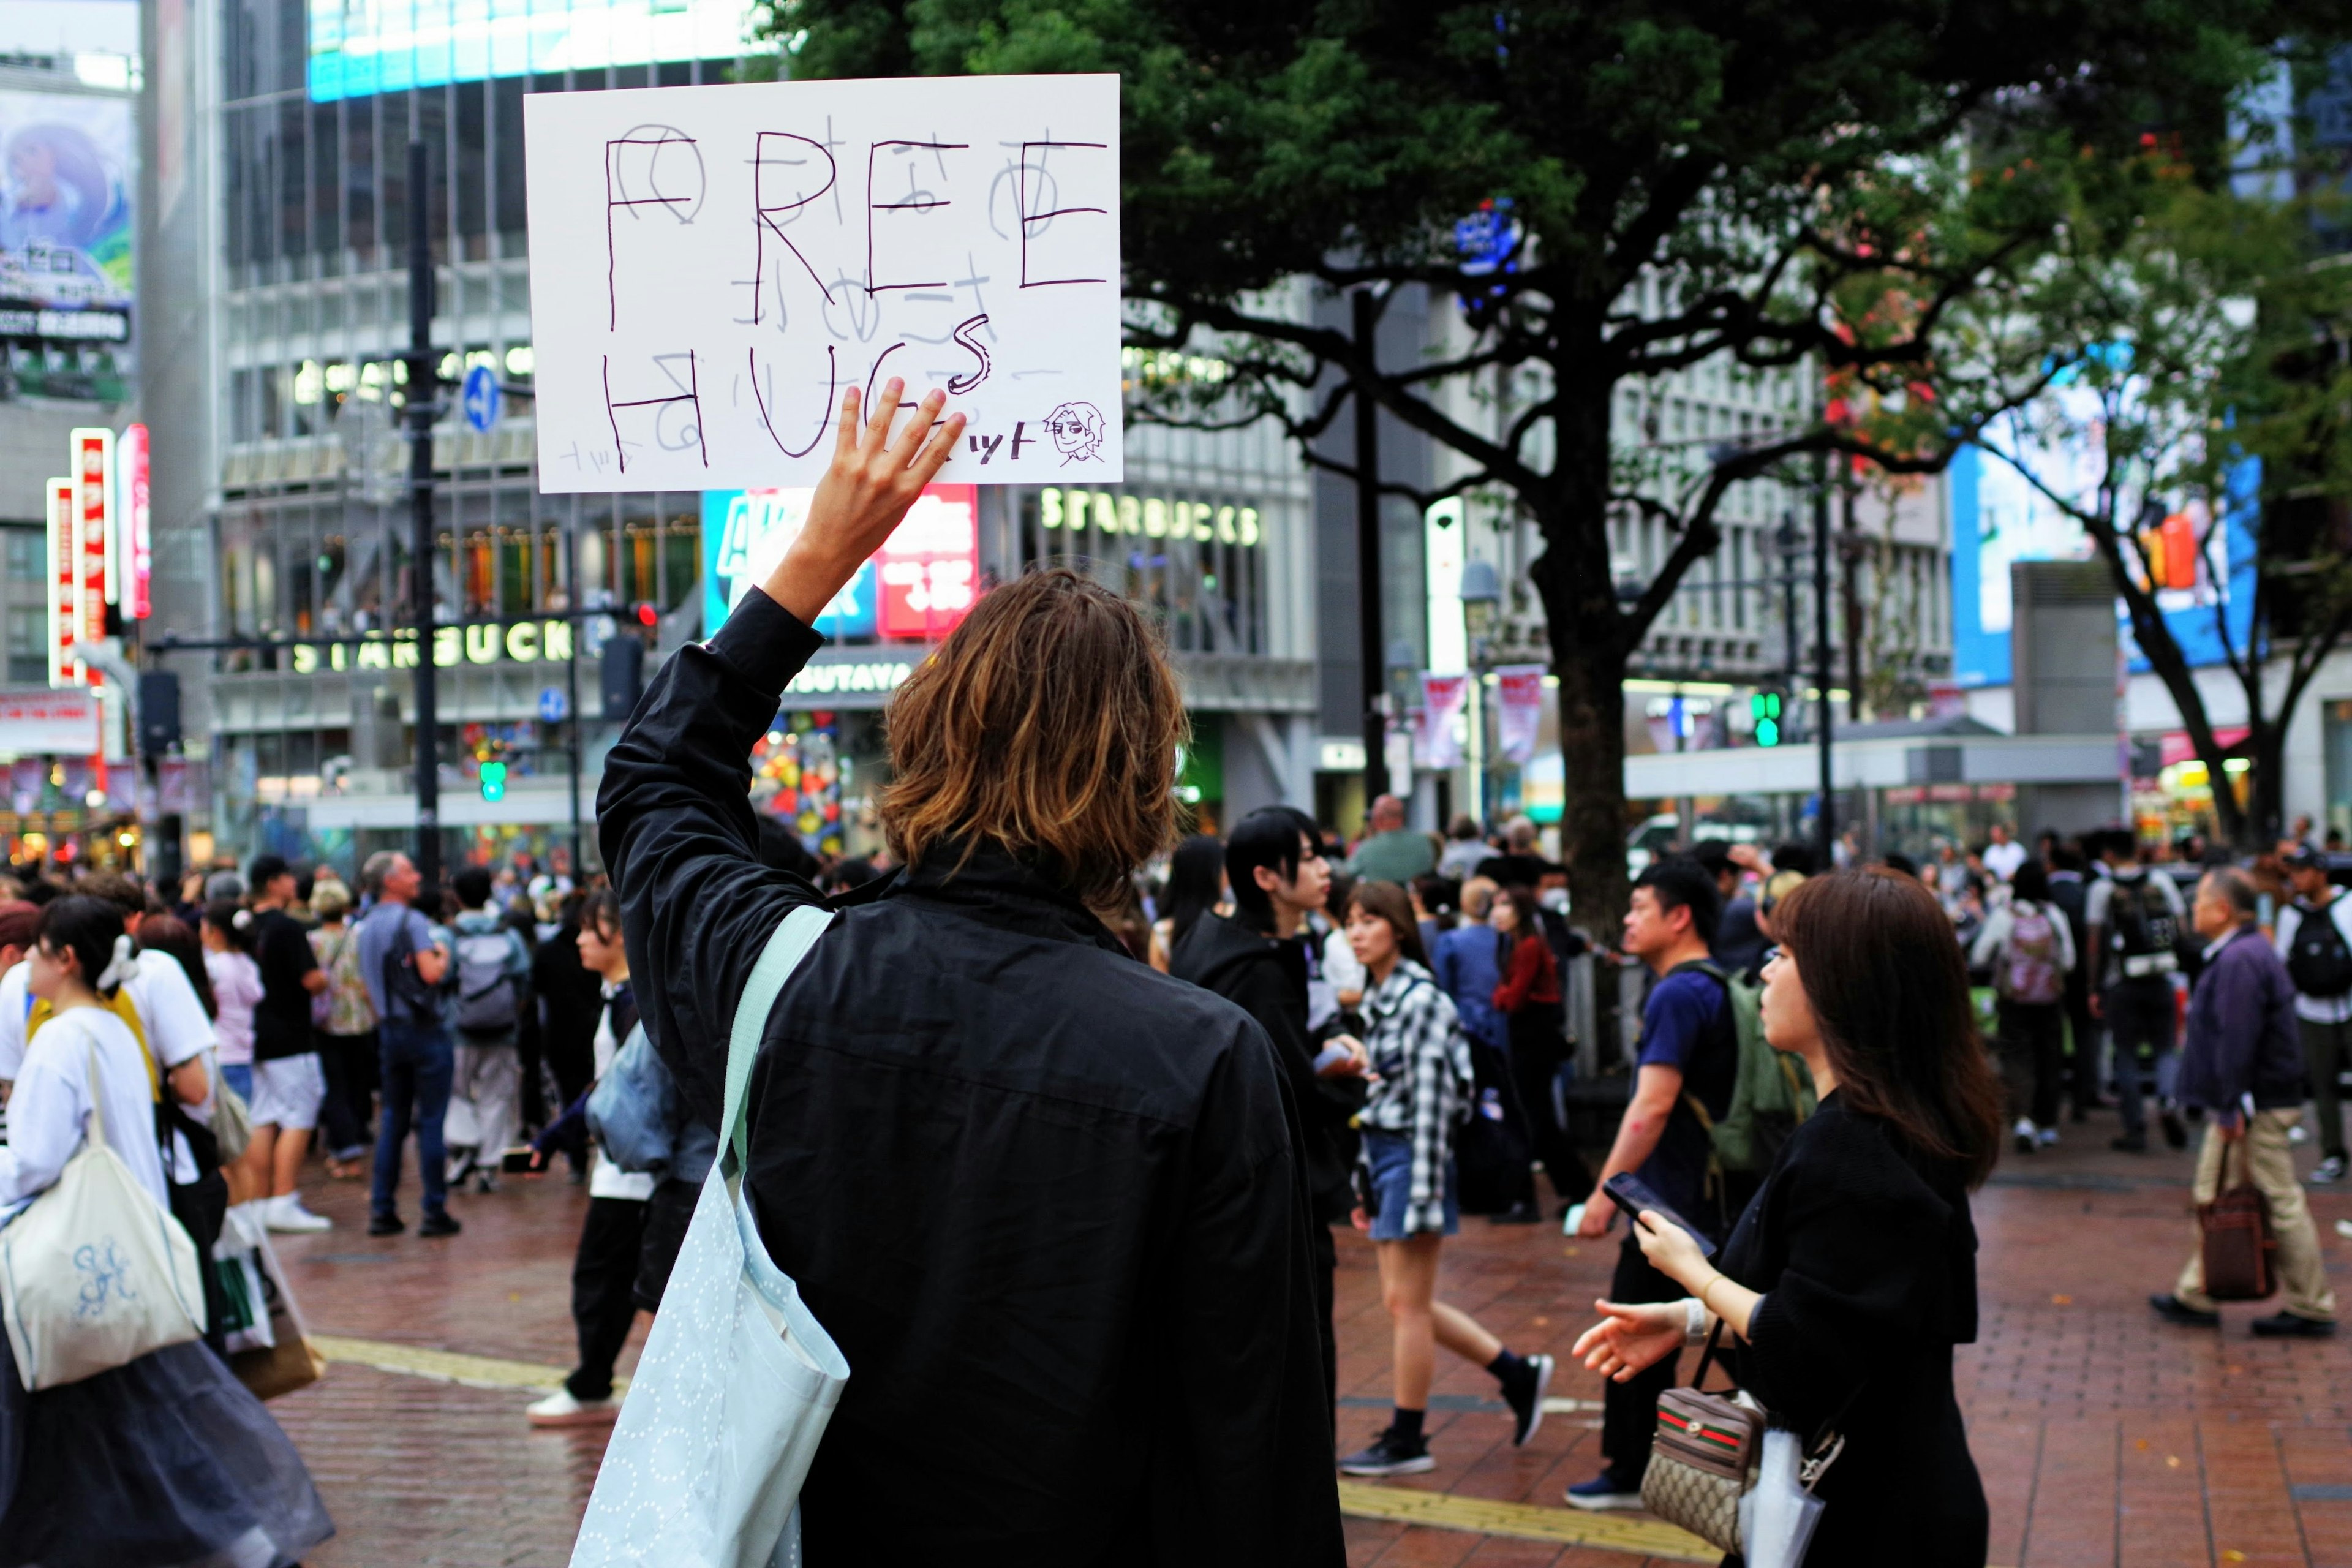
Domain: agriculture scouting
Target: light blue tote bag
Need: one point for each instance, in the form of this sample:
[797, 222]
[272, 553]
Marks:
[738, 1378]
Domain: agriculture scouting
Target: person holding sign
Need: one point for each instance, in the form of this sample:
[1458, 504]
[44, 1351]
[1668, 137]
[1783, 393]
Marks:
[1043, 1197]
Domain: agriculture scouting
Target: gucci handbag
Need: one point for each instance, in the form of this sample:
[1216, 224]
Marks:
[1706, 1458]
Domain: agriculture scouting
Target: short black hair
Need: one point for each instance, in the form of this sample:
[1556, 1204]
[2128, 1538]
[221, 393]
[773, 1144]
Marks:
[1795, 856]
[2029, 881]
[266, 869]
[1679, 883]
[471, 883]
[1714, 854]
[1898, 861]
[1268, 837]
[83, 926]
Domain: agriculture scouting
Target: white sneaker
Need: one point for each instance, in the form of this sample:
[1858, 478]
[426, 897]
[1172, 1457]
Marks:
[285, 1213]
[560, 1410]
[2047, 1137]
[2026, 1142]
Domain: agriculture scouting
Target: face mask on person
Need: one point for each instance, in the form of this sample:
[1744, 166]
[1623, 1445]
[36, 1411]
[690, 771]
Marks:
[1554, 899]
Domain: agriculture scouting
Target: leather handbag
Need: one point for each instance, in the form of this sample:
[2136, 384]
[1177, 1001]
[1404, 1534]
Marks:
[2238, 1242]
[1705, 1459]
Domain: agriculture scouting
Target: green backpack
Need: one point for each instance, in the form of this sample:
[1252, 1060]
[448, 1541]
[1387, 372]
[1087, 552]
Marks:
[1770, 1093]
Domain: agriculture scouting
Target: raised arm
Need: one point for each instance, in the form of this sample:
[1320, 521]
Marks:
[673, 818]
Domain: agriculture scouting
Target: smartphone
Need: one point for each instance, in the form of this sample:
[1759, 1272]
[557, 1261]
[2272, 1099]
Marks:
[515, 1162]
[1633, 1194]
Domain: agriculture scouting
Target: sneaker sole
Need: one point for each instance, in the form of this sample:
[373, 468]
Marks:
[1543, 1365]
[1612, 1502]
[1402, 1468]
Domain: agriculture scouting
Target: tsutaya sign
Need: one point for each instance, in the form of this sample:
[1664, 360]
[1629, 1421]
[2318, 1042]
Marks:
[483, 642]
[713, 268]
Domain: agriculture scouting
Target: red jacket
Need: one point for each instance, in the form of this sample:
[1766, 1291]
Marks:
[1534, 975]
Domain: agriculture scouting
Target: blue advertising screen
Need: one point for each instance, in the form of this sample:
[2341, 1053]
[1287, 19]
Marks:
[744, 533]
[360, 48]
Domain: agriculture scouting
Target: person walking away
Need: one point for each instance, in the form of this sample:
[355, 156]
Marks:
[2243, 1064]
[1688, 1065]
[1528, 996]
[1254, 958]
[2136, 916]
[1136, 1361]
[226, 933]
[1422, 1081]
[403, 968]
[2028, 947]
[290, 1082]
[1196, 886]
[166, 1460]
[612, 1251]
[1851, 1275]
[531, 1108]
[347, 1043]
[493, 971]
[569, 1000]
[2315, 938]
[1391, 851]
[2070, 891]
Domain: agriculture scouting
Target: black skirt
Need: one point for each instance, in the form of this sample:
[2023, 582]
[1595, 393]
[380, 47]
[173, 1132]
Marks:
[169, 1462]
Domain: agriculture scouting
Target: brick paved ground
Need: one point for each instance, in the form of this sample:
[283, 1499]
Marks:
[2104, 1436]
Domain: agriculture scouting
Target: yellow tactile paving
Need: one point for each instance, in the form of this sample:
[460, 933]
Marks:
[1524, 1521]
[1436, 1510]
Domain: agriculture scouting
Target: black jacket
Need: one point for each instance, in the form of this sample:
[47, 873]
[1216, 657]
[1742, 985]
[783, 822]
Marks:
[1267, 979]
[1867, 1257]
[1042, 1197]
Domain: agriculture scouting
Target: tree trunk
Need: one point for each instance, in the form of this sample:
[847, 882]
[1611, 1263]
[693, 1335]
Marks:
[1592, 747]
[2265, 820]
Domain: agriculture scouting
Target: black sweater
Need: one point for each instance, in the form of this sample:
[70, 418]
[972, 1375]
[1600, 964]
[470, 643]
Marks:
[1866, 1256]
[1043, 1197]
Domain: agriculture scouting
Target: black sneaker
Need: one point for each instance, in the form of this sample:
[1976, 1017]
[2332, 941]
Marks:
[1607, 1490]
[2287, 1326]
[439, 1223]
[385, 1224]
[1390, 1455]
[1525, 1394]
[2173, 1310]
[2175, 1131]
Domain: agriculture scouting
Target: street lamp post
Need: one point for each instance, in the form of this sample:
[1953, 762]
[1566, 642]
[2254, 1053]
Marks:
[1826, 821]
[1482, 592]
[1369, 644]
[423, 376]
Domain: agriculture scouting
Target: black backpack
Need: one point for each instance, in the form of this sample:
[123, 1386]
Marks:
[2141, 918]
[2318, 961]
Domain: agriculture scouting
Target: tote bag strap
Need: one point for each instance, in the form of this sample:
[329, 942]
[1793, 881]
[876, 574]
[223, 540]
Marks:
[794, 936]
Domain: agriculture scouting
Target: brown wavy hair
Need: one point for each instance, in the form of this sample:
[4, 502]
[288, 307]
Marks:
[1883, 972]
[1049, 723]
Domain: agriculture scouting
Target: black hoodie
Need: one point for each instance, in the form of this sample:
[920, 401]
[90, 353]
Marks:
[1266, 978]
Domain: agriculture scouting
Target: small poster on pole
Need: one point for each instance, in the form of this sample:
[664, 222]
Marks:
[713, 268]
[1442, 699]
[1519, 711]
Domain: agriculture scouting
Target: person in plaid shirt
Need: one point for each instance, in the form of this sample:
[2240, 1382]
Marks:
[1420, 1095]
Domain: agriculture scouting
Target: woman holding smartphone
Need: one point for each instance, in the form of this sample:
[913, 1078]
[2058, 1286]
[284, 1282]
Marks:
[1852, 1274]
[1420, 1092]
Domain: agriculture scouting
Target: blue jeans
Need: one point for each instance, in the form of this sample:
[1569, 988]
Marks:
[2141, 1012]
[418, 1063]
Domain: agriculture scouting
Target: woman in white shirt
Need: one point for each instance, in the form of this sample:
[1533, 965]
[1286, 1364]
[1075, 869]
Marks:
[168, 1461]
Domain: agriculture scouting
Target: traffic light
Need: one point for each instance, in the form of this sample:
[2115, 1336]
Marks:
[494, 781]
[1764, 707]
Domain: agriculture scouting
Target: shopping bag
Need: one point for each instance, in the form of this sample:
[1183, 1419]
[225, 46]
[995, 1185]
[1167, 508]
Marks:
[95, 1273]
[1778, 1516]
[237, 1263]
[738, 1378]
[286, 1361]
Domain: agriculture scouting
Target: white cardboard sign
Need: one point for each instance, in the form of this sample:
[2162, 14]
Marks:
[712, 267]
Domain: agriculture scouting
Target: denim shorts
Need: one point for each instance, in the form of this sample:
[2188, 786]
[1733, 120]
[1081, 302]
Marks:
[1389, 1156]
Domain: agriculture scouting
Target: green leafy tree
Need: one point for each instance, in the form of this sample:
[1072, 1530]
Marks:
[1793, 189]
[2207, 378]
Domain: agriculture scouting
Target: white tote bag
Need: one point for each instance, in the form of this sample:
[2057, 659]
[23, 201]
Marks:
[738, 1378]
[96, 1273]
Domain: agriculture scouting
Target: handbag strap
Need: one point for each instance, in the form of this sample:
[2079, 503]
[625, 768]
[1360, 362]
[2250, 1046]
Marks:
[1707, 1357]
[794, 937]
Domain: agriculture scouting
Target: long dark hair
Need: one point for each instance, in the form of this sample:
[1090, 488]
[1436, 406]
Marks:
[1890, 992]
[1387, 901]
[170, 934]
[233, 920]
[85, 927]
[1196, 881]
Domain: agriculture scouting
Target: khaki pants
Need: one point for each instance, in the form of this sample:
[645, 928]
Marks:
[2270, 1168]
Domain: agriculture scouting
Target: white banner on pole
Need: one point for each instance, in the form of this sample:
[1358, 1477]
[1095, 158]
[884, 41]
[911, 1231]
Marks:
[1518, 710]
[713, 268]
[1442, 697]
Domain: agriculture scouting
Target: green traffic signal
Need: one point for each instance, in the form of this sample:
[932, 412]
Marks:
[1764, 707]
[494, 781]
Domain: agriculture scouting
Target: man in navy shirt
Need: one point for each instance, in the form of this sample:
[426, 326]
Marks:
[1689, 1051]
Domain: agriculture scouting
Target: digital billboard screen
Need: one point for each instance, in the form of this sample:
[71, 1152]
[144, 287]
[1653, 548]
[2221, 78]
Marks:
[65, 216]
[360, 48]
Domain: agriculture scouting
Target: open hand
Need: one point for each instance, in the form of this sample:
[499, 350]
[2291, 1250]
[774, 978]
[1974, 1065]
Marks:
[863, 496]
[1631, 1337]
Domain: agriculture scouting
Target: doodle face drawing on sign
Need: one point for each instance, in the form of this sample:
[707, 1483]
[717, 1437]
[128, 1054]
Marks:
[1077, 432]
